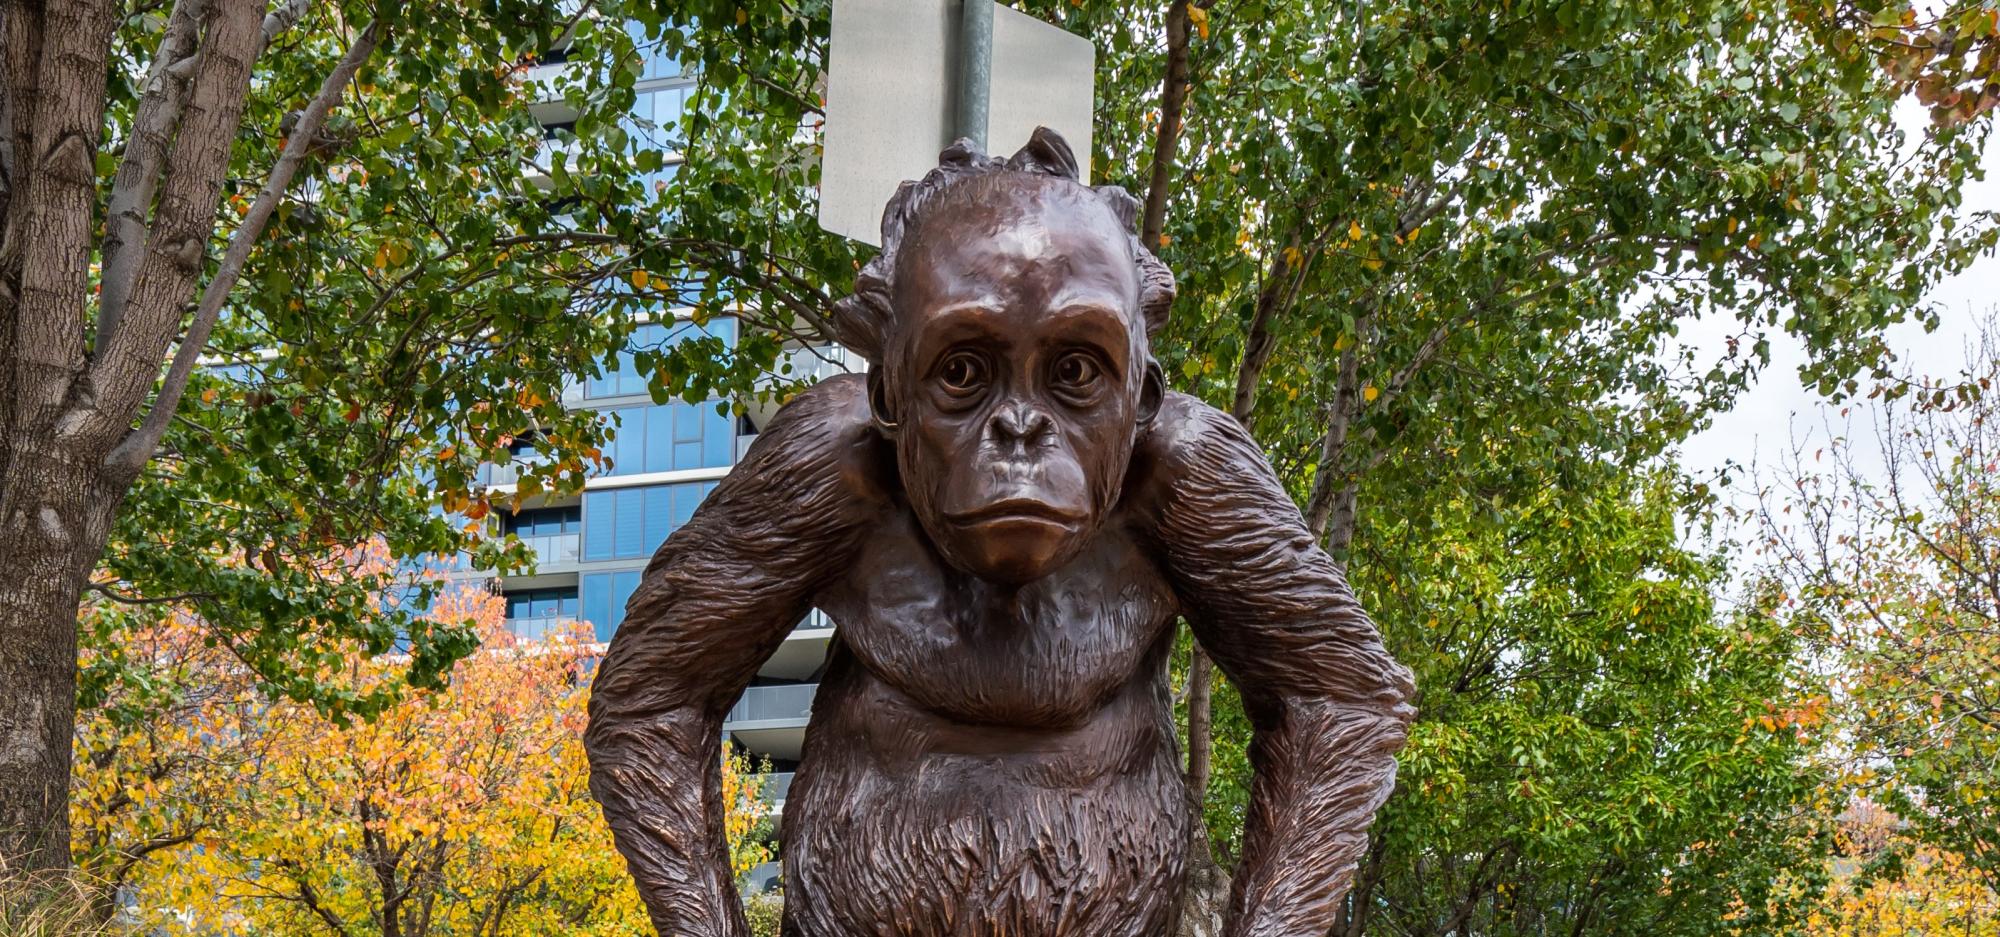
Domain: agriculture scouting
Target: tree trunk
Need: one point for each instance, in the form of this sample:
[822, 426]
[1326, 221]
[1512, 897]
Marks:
[1206, 897]
[1207, 893]
[57, 518]
[1173, 100]
[69, 451]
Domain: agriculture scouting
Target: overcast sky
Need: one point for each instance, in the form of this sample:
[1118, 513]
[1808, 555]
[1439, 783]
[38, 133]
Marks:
[1768, 417]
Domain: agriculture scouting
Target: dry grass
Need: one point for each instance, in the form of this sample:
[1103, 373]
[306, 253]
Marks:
[53, 903]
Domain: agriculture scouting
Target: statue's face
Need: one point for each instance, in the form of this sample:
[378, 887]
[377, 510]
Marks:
[1016, 372]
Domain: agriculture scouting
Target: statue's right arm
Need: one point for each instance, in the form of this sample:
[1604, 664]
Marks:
[716, 601]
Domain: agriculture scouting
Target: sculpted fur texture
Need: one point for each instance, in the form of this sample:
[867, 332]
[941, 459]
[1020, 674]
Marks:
[1005, 519]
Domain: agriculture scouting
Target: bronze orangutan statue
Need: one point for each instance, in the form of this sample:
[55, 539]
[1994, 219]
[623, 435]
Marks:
[1004, 520]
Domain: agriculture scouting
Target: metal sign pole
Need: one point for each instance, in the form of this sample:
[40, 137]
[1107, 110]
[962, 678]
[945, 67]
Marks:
[906, 78]
[975, 70]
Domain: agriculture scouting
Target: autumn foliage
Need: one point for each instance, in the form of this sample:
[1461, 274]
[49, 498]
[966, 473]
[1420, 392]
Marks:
[210, 808]
[1886, 884]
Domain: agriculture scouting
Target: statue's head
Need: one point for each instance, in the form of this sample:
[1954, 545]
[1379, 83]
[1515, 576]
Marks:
[1007, 321]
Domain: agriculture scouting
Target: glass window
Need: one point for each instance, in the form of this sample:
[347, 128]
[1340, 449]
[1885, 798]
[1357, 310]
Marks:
[631, 523]
[656, 507]
[604, 598]
[598, 510]
[628, 532]
[670, 437]
[718, 437]
[543, 522]
[620, 378]
[654, 62]
[663, 110]
[542, 603]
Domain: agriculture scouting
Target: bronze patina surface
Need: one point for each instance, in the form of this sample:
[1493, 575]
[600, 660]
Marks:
[1004, 519]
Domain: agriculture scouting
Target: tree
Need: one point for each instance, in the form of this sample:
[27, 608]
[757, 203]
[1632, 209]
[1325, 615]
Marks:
[1459, 230]
[1603, 749]
[1429, 251]
[1947, 55]
[1892, 569]
[350, 215]
[458, 811]
[163, 760]
[128, 237]
[1888, 886]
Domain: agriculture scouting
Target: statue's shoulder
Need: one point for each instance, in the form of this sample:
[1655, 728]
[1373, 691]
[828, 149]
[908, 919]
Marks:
[838, 404]
[1190, 446]
[1184, 429]
[826, 433]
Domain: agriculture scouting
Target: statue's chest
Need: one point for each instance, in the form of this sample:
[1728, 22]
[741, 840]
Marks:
[1046, 654]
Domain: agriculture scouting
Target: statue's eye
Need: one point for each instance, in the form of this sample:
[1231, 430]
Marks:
[1077, 371]
[962, 373]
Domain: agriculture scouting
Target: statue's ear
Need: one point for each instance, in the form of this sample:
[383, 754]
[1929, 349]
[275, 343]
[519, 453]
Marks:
[1152, 393]
[861, 321]
[878, 403]
[1049, 154]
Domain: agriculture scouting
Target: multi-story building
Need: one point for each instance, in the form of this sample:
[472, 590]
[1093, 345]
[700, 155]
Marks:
[664, 459]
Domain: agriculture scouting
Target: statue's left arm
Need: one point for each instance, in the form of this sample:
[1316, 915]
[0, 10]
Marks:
[1328, 705]
[716, 600]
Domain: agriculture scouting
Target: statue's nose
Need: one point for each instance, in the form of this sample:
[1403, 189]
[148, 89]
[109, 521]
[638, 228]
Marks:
[1021, 423]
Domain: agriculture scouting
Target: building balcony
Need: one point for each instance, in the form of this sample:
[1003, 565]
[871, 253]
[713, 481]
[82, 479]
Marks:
[776, 785]
[507, 473]
[772, 707]
[545, 153]
[771, 720]
[553, 552]
[764, 878]
[539, 628]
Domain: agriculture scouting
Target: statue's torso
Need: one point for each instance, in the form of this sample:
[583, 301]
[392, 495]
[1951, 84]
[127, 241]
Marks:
[1001, 760]
[1046, 656]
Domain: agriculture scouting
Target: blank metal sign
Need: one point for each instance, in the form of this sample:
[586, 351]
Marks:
[890, 91]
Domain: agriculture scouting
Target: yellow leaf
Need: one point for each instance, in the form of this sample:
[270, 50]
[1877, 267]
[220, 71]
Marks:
[742, 16]
[1370, 392]
[1354, 230]
[639, 279]
[1199, 18]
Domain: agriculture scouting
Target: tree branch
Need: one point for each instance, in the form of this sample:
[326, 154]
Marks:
[1173, 100]
[127, 363]
[132, 453]
[282, 18]
[167, 88]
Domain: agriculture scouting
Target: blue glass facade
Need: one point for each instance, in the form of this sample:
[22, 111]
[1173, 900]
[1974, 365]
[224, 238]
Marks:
[542, 603]
[631, 523]
[670, 437]
[623, 379]
[604, 597]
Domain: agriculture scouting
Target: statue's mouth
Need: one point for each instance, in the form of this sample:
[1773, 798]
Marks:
[1017, 510]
